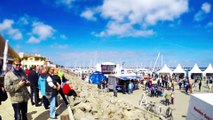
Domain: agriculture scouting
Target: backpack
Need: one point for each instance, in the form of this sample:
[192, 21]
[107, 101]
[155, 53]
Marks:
[66, 88]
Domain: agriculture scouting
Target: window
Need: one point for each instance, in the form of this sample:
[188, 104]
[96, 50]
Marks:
[108, 69]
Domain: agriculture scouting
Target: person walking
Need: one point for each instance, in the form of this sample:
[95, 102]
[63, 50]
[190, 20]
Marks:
[16, 85]
[33, 78]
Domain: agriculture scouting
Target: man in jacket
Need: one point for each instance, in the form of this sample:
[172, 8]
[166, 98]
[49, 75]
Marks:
[16, 85]
[33, 78]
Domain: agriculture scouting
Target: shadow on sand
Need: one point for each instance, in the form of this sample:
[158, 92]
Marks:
[29, 115]
[45, 115]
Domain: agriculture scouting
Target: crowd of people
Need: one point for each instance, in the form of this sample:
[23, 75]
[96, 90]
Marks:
[50, 81]
[165, 86]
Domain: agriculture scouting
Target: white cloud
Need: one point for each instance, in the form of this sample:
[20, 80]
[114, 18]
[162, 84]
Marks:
[210, 24]
[40, 31]
[206, 7]
[6, 24]
[144, 13]
[66, 3]
[59, 46]
[89, 15]
[23, 20]
[32, 39]
[124, 30]
[63, 36]
[201, 14]
[15, 34]
[7, 28]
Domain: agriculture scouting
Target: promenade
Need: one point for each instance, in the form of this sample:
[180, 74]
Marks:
[39, 113]
[181, 101]
[34, 113]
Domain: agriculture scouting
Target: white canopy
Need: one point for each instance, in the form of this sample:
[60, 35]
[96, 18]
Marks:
[209, 69]
[165, 69]
[108, 63]
[195, 69]
[179, 69]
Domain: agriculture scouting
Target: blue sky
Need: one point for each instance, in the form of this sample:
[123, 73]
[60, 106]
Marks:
[84, 32]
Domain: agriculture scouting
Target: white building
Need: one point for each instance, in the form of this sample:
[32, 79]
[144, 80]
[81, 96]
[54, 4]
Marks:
[34, 60]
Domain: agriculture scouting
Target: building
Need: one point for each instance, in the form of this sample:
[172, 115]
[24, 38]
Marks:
[34, 60]
[10, 55]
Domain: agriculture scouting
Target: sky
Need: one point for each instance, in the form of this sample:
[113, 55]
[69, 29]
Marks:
[133, 32]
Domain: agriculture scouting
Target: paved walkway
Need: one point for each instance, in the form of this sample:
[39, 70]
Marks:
[39, 113]
[34, 113]
[181, 101]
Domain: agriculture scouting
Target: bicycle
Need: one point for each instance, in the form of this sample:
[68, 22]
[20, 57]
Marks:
[169, 114]
[152, 107]
[149, 106]
[158, 110]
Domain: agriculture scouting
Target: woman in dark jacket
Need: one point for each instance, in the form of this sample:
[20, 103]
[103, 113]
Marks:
[57, 79]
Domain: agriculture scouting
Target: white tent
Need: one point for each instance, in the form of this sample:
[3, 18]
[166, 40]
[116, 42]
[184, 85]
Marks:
[195, 70]
[209, 69]
[179, 69]
[165, 70]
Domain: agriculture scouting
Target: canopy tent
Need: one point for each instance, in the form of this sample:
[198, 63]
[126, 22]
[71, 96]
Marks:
[209, 70]
[108, 63]
[195, 70]
[97, 77]
[165, 70]
[126, 77]
[179, 70]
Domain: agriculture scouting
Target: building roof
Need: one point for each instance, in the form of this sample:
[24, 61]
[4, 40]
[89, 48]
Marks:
[11, 52]
[34, 56]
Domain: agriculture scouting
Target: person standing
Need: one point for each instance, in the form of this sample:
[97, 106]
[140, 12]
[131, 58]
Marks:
[200, 84]
[52, 90]
[130, 87]
[16, 85]
[33, 78]
[56, 78]
[167, 97]
[42, 87]
[210, 84]
[172, 97]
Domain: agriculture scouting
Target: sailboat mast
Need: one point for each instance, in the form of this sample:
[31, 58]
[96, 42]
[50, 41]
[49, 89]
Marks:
[155, 62]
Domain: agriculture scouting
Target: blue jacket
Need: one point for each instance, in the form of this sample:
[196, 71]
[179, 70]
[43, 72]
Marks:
[42, 84]
[130, 86]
